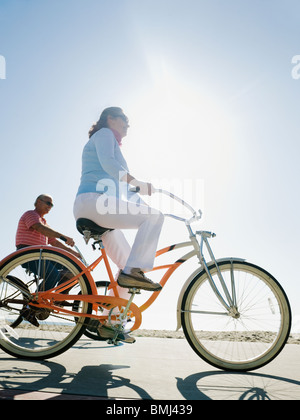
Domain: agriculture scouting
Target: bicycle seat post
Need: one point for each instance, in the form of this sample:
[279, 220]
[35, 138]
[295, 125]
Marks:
[133, 291]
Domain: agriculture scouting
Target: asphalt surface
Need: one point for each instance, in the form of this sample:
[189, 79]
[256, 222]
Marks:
[151, 369]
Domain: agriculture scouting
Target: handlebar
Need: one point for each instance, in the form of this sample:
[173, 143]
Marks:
[197, 215]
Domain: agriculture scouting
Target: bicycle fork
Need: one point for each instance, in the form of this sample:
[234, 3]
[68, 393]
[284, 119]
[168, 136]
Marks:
[231, 304]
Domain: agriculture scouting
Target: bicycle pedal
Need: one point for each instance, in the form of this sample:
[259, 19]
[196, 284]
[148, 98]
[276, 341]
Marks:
[113, 342]
[28, 315]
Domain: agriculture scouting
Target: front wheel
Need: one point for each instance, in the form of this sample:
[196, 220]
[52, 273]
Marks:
[248, 335]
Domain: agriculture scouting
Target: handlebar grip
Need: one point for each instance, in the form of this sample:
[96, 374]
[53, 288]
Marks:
[135, 189]
[62, 238]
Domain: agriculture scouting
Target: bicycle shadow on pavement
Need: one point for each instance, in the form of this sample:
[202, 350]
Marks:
[92, 381]
[220, 385]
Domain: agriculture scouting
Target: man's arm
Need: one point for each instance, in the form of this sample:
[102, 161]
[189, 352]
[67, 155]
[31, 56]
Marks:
[65, 248]
[50, 233]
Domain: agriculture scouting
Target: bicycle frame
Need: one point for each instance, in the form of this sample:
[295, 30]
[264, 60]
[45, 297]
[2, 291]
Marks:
[48, 298]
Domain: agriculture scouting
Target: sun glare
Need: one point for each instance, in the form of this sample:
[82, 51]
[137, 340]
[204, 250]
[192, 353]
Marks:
[187, 129]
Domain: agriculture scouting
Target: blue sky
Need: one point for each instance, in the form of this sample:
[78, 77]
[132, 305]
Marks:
[208, 88]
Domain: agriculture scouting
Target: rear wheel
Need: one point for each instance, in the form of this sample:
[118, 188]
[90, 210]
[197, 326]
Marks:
[248, 335]
[36, 333]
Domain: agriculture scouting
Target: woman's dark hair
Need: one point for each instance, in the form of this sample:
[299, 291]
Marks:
[102, 122]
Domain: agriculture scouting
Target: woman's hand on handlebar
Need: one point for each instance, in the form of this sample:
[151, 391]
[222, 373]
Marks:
[143, 188]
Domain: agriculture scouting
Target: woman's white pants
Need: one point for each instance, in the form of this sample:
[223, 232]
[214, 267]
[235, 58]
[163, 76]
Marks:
[110, 212]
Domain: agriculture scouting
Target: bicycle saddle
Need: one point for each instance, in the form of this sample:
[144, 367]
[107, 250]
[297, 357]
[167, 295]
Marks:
[86, 224]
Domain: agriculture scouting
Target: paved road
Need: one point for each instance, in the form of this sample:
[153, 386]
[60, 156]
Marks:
[151, 369]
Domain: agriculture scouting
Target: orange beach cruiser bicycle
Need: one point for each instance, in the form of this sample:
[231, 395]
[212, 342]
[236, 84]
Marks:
[234, 314]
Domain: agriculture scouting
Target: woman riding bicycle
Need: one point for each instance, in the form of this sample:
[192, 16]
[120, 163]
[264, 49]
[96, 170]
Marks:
[104, 197]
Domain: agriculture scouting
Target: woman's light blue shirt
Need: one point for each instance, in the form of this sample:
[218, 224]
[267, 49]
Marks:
[103, 164]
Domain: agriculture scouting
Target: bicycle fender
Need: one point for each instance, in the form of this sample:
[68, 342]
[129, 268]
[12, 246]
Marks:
[198, 272]
[67, 254]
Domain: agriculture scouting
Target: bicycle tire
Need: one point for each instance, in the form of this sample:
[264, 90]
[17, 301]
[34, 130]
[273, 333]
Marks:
[56, 333]
[19, 319]
[252, 339]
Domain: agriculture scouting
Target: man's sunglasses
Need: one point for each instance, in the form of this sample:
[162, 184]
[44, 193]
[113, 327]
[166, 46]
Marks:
[47, 202]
